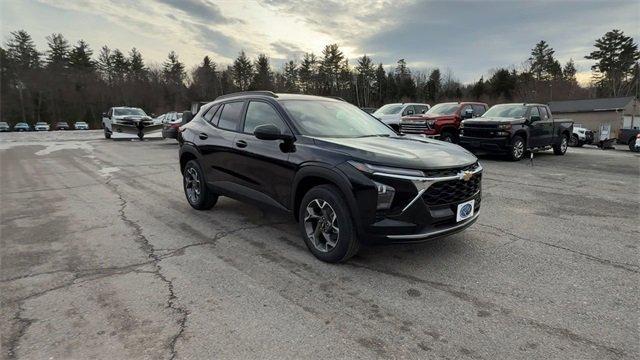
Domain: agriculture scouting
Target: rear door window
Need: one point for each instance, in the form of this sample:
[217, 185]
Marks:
[544, 115]
[210, 113]
[231, 116]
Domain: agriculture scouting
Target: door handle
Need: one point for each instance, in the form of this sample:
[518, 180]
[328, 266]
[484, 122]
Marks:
[203, 136]
[241, 143]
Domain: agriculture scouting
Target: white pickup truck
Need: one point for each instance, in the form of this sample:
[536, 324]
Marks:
[129, 121]
[580, 136]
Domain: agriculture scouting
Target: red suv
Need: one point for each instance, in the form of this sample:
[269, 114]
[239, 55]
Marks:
[442, 121]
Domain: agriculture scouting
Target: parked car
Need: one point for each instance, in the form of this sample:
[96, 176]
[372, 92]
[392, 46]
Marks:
[391, 114]
[516, 128]
[21, 126]
[442, 121]
[344, 176]
[128, 120]
[41, 126]
[80, 125]
[61, 125]
[369, 110]
[173, 121]
[580, 136]
[4, 127]
[628, 137]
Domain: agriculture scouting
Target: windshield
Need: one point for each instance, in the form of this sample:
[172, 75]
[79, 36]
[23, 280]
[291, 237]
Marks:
[444, 109]
[389, 109]
[41, 123]
[3, 123]
[128, 111]
[81, 123]
[333, 119]
[506, 110]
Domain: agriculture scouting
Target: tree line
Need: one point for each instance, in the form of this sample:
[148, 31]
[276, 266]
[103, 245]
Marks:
[71, 82]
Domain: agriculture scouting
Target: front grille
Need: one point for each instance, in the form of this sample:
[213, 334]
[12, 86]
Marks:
[452, 191]
[479, 133]
[449, 172]
[413, 127]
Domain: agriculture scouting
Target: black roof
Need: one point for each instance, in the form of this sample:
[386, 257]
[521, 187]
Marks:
[279, 96]
[589, 105]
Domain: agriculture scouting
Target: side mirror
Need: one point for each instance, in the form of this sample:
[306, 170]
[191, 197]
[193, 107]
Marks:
[269, 132]
[409, 112]
[468, 114]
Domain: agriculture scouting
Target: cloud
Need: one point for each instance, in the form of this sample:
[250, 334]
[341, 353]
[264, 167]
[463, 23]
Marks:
[286, 50]
[203, 10]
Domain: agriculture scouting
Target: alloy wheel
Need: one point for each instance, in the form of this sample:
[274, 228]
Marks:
[321, 225]
[563, 144]
[518, 149]
[192, 185]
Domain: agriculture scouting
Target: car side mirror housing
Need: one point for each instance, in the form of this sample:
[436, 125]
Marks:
[270, 132]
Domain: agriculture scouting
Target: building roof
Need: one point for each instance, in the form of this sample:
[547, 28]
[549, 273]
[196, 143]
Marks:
[590, 105]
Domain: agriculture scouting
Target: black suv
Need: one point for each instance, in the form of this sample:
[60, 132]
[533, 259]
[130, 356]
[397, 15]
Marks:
[345, 176]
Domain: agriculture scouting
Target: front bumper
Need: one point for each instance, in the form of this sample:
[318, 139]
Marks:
[497, 144]
[423, 207]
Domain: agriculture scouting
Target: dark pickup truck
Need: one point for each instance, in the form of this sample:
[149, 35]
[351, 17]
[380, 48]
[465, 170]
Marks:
[629, 137]
[515, 128]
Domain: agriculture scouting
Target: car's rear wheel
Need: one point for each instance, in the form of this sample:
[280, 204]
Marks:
[574, 141]
[561, 149]
[107, 133]
[632, 144]
[517, 148]
[198, 194]
[326, 224]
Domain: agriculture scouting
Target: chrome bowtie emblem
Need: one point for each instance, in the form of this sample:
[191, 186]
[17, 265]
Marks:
[466, 175]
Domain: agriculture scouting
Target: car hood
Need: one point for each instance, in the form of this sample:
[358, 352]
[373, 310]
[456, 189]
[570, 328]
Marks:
[428, 117]
[410, 152]
[495, 121]
[132, 117]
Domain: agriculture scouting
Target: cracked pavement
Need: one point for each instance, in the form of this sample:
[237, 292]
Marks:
[101, 257]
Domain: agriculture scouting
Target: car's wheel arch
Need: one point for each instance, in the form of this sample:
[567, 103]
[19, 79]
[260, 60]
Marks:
[523, 134]
[311, 175]
[188, 152]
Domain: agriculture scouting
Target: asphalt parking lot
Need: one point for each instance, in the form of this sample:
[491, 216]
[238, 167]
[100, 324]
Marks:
[102, 257]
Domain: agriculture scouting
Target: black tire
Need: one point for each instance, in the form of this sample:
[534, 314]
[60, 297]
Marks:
[447, 136]
[632, 144]
[561, 148]
[107, 134]
[202, 197]
[346, 243]
[574, 141]
[518, 147]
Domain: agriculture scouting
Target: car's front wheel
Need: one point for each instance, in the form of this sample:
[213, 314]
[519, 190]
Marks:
[326, 224]
[574, 141]
[198, 194]
[107, 133]
[517, 148]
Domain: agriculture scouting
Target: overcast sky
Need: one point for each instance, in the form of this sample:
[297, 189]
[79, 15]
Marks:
[467, 37]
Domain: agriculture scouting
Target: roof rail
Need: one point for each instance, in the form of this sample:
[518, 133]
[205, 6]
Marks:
[263, 93]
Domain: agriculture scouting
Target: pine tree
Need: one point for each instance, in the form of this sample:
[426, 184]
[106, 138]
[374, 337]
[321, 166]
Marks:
[21, 51]
[105, 65]
[137, 70]
[290, 77]
[478, 89]
[366, 76]
[242, 71]
[263, 77]
[308, 73]
[569, 71]
[205, 80]
[80, 57]
[173, 69]
[543, 64]
[615, 58]
[381, 84]
[330, 67]
[58, 52]
[434, 85]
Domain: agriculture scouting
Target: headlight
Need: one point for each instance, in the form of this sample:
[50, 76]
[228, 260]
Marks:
[385, 195]
[504, 126]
